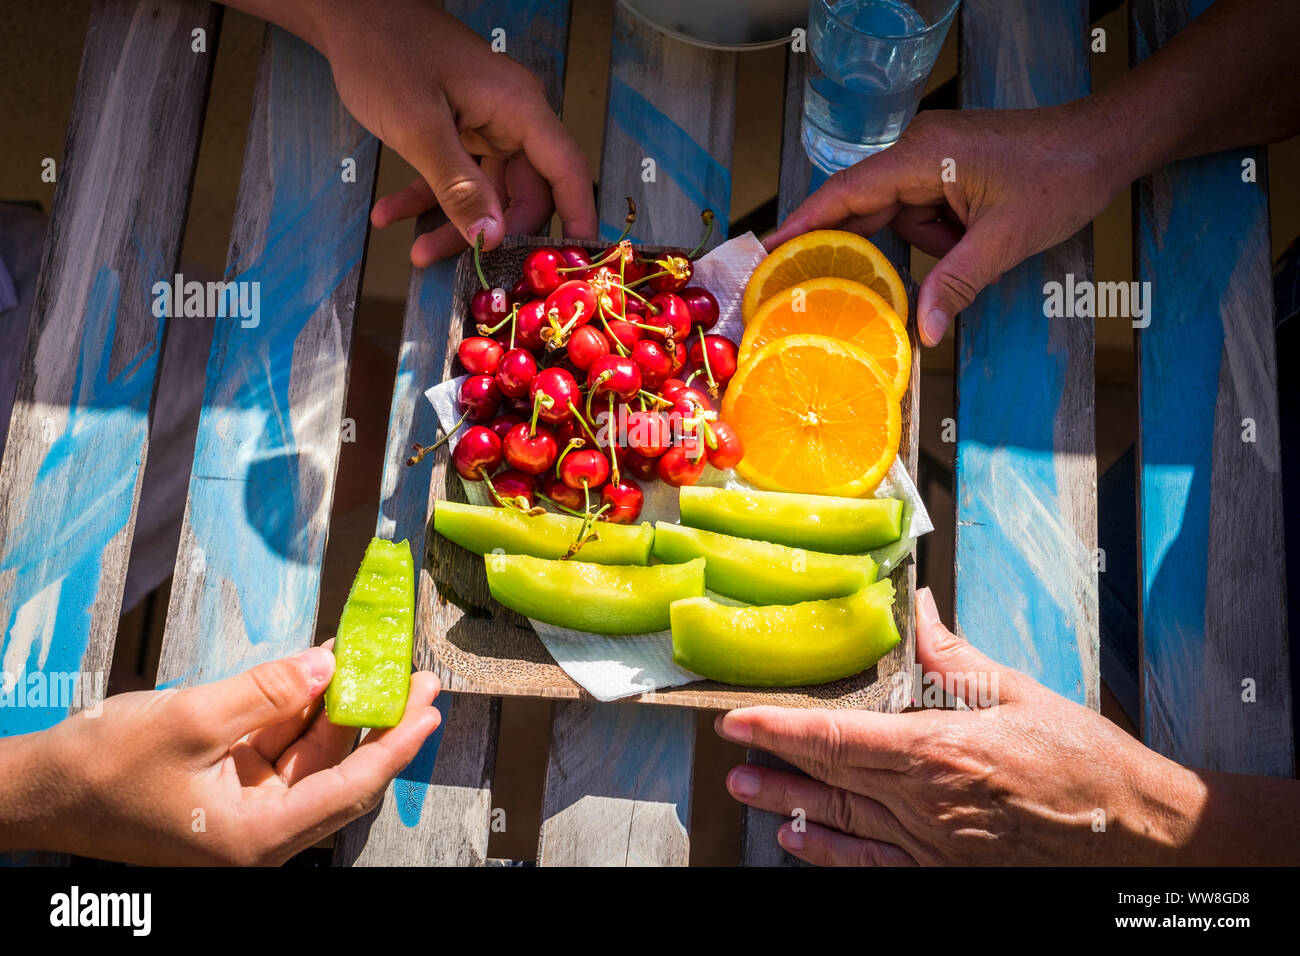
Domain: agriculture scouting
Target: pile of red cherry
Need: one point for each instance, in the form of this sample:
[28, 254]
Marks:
[589, 375]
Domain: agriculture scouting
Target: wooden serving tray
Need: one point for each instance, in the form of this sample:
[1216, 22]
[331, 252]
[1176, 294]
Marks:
[478, 646]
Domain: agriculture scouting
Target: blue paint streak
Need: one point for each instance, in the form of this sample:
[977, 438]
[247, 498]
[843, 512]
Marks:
[253, 493]
[1190, 262]
[411, 786]
[82, 497]
[518, 19]
[704, 180]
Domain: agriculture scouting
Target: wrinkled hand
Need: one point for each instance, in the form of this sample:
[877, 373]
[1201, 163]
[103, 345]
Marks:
[434, 91]
[1021, 182]
[1024, 781]
[243, 771]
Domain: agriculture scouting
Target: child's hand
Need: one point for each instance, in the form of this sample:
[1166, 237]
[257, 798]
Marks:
[243, 771]
[433, 90]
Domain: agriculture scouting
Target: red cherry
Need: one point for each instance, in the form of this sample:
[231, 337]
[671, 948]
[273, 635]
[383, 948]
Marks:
[649, 433]
[489, 306]
[529, 451]
[529, 322]
[613, 374]
[671, 387]
[585, 466]
[477, 453]
[667, 309]
[679, 272]
[573, 304]
[517, 370]
[512, 485]
[587, 344]
[729, 449]
[503, 423]
[625, 500]
[721, 352]
[480, 355]
[625, 333]
[702, 306]
[654, 361]
[575, 257]
[639, 465]
[479, 397]
[541, 270]
[562, 494]
[608, 291]
[520, 292]
[621, 260]
[679, 357]
[561, 391]
[567, 430]
[676, 468]
[689, 400]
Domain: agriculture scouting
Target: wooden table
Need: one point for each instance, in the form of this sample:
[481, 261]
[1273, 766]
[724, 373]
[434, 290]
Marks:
[618, 778]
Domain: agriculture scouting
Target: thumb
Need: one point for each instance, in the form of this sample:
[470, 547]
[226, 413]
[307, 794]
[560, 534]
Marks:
[967, 674]
[264, 695]
[465, 194]
[974, 262]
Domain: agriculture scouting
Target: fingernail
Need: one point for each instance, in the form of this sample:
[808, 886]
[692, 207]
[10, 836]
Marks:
[926, 612]
[743, 783]
[480, 225]
[737, 729]
[318, 664]
[789, 838]
[936, 321]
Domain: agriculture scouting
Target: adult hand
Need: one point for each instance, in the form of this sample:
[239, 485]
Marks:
[1027, 780]
[241, 771]
[434, 91]
[981, 189]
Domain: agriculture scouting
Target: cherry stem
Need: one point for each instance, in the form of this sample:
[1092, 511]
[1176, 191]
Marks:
[613, 445]
[569, 446]
[518, 503]
[627, 290]
[691, 377]
[628, 220]
[422, 450]
[658, 399]
[622, 349]
[704, 354]
[708, 217]
[485, 329]
[555, 504]
[583, 422]
[478, 262]
[601, 379]
[644, 279]
[537, 407]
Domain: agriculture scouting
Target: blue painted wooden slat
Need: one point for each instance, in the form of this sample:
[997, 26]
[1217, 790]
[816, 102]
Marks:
[78, 438]
[438, 809]
[248, 567]
[1215, 679]
[1025, 464]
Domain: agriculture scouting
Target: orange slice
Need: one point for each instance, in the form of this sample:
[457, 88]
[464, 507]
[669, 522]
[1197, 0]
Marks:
[824, 252]
[843, 310]
[816, 415]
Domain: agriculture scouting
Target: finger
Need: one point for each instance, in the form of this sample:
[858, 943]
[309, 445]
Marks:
[325, 744]
[828, 738]
[528, 196]
[464, 192]
[327, 799]
[925, 228]
[446, 241]
[822, 846]
[264, 696]
[271, 742]
[410, 202]
[794, 795]
[553, 153]
[968, 674]
[978, 260]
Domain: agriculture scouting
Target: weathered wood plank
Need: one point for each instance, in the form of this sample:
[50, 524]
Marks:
[248, 567]
[1025, 466]
[1213, 610]
[452, 775]
[70, 479]
[618, 779]
[798, 178]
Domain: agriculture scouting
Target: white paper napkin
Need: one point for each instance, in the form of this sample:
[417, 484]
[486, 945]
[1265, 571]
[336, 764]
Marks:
[610, 667]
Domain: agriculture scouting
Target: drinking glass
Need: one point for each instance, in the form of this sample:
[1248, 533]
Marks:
[870, 62]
